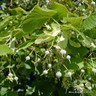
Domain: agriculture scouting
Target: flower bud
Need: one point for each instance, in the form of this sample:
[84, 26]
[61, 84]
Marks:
[82, 71]
[93, 70]
[92, 3]
[16, 78]
[63, 52]
[45, 72]
[68, 57]
[58, 74]
[27, 58]
[49, 66]
[69, 74]
[46, 52]
[10, 74]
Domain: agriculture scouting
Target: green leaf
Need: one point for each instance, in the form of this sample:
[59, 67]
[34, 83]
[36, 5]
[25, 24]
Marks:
[4, 49]
[75, 44]
[76, 63]
[4, 38]
[61, 10]
[12, 93]
[5, 22]
[75, 21]
[1, 12]
[26, 44]
[36, 18]
[48, 35]
[84, 40]
[17, 11]
[89, 22]
[43, 39]
[66, 35]
[56, 30]
[3, 91]
[80, 65]
[91, 33]
[78, 52]
[18, 33]
[44, 86]
[27, 66]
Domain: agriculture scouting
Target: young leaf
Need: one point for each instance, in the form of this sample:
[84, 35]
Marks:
[63, 44]
[43, 39]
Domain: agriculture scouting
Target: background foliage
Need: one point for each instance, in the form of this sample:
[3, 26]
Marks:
[47, 47]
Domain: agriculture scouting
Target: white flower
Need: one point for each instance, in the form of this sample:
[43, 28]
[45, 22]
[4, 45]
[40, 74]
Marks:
[48, 27]
[69, 74]
[45, 72]
[49, 65]
[5, 28]
[56, 32]
[58, 74]
[63, 52]
[93, 70]
[89, 78]
[10, 74]
[93, 45]
[46, 52]
[79, 4]
[93, 85]
[39, 60]
[17, 2]
[83, 10]
[68, 57]
[27, 58]
[62, 38]
[17, 51]
[13, 49]
[11, 22]
[90, 88]
[3, 17]
[57, 47]
[82, 70]
[92, 3]
[47, 1]
[16, 78]
[3, 6]
[20, 90]
[82, 85]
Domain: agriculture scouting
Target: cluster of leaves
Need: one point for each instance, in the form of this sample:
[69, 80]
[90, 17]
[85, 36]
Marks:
[31, 40]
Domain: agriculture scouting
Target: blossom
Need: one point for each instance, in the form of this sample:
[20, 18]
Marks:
[27, 58]
[82, 70]
[16, 78]
[92, 3]
[58, 74]
[63, 52]
[68, 57]
[49, 65]
[46, 52]
[45, 72]
[62, 38]
[10, 75]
